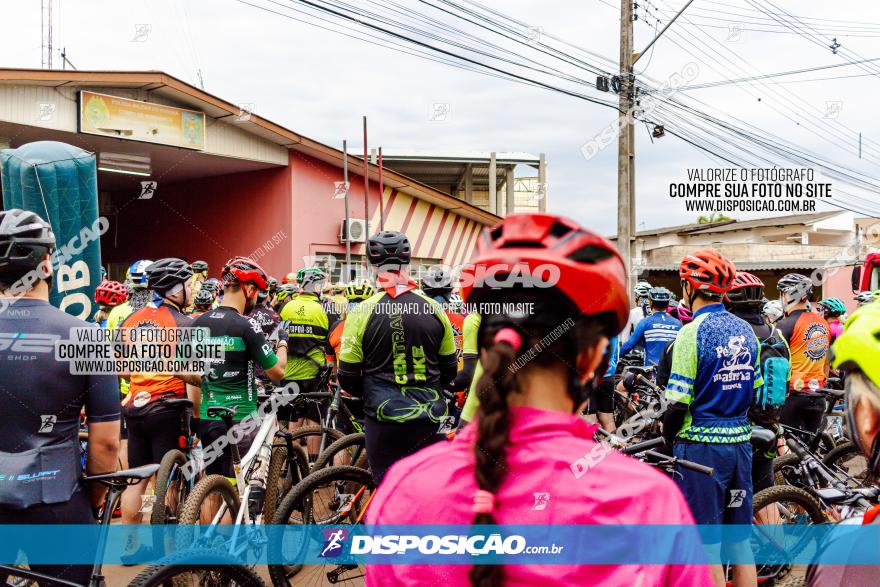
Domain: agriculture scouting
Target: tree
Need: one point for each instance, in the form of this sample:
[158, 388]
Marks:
[714, 217]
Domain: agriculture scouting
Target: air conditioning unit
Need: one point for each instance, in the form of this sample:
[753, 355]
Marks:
[355, 231]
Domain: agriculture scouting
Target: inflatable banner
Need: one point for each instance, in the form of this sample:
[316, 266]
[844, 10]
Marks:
[59, 182]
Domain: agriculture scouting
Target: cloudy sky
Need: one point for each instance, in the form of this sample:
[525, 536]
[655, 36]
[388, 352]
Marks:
[320, 83]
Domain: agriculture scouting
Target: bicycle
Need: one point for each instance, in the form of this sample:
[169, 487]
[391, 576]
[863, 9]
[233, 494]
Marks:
[172, 487]
[257, 479]
[172, 570]
[335, 495]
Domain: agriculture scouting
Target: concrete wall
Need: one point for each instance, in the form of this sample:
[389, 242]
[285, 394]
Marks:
[212, 219]
[435, 233]
[21, 104]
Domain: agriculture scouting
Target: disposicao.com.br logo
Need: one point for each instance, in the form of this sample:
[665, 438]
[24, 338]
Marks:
[476, 545]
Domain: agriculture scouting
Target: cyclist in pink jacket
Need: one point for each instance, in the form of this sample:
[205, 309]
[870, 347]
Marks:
[529, 458]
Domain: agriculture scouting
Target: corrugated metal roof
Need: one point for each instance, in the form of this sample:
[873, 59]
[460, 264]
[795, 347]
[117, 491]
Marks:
[809, 264]
[772, 221]
[731, 225]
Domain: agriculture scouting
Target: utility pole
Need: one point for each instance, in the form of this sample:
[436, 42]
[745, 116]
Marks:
[46, 33]
[347, 214]
[626, 144]
[626, 140]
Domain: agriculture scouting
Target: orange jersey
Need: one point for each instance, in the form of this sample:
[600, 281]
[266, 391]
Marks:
[809, 338]
[146, 388]
[457, 322]
[335, 337]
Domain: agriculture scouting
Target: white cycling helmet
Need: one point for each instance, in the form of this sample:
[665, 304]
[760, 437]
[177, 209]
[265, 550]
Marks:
[773, 310]
[641, 289]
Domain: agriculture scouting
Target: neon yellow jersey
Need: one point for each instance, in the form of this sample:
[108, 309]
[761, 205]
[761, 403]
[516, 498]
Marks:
[116, 317]
[470, 349]
[472, 403]
[471, 328]
[309, 326]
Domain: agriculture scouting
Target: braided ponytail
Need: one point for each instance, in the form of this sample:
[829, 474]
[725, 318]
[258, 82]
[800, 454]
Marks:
[496, 383]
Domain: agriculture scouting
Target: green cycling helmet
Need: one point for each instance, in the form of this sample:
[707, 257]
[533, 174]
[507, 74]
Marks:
[859, 345]
[309, 276]
[833, 306]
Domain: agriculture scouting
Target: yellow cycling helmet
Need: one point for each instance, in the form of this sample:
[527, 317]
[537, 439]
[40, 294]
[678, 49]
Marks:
[859, 345]
[358, 291]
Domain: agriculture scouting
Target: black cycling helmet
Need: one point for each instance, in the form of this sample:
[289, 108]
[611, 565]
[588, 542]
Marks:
[203, 298]
[659, 295]
[166, 273]
[199, 266]
[436, 281]
[388, 247]
[25, 238]
[273, 285]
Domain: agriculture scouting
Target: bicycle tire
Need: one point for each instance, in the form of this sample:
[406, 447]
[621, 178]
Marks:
[779, 462]
[346, 442]
[190, 514]
[279, 479]
[172, 459]
[777, 493]
[312, 430]
[841, 452]
[295, 501]
[210, 561]
[792, 581]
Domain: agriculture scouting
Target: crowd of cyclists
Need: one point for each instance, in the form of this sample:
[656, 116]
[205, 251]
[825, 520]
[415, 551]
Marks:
[458, 428]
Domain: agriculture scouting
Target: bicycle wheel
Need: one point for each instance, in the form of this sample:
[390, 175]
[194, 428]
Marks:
[349, 450]
[203, 503]
[851, 462]
[795, 505]
[335, 495]
[212, 568]
[309, 437]
[280, 478]
[785, 470]
[786, 505]
[171, 488]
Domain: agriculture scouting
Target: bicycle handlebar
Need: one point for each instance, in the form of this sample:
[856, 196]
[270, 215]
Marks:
[686, 464]
[643, 446]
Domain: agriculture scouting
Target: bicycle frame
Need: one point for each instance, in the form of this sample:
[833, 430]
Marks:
[114, 494]
[244, 471]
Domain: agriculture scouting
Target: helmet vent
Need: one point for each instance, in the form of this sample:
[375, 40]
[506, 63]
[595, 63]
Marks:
[590, 254]
[559, 229]
[522, 245]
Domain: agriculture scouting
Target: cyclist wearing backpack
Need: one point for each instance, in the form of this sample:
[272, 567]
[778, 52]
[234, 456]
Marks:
[715, 373]
[528, 431]
[398, 353]
[655, 331]
[745, 300]
[808, 337]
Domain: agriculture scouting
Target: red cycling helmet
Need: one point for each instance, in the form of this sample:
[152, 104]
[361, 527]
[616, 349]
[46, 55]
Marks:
[110, 293]
[244, 270]
[591, 273]
[708, 271]
[745, 288]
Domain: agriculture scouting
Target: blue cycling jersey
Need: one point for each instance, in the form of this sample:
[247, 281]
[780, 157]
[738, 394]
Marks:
[716, 368]
[613, 351]
[653, 333]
